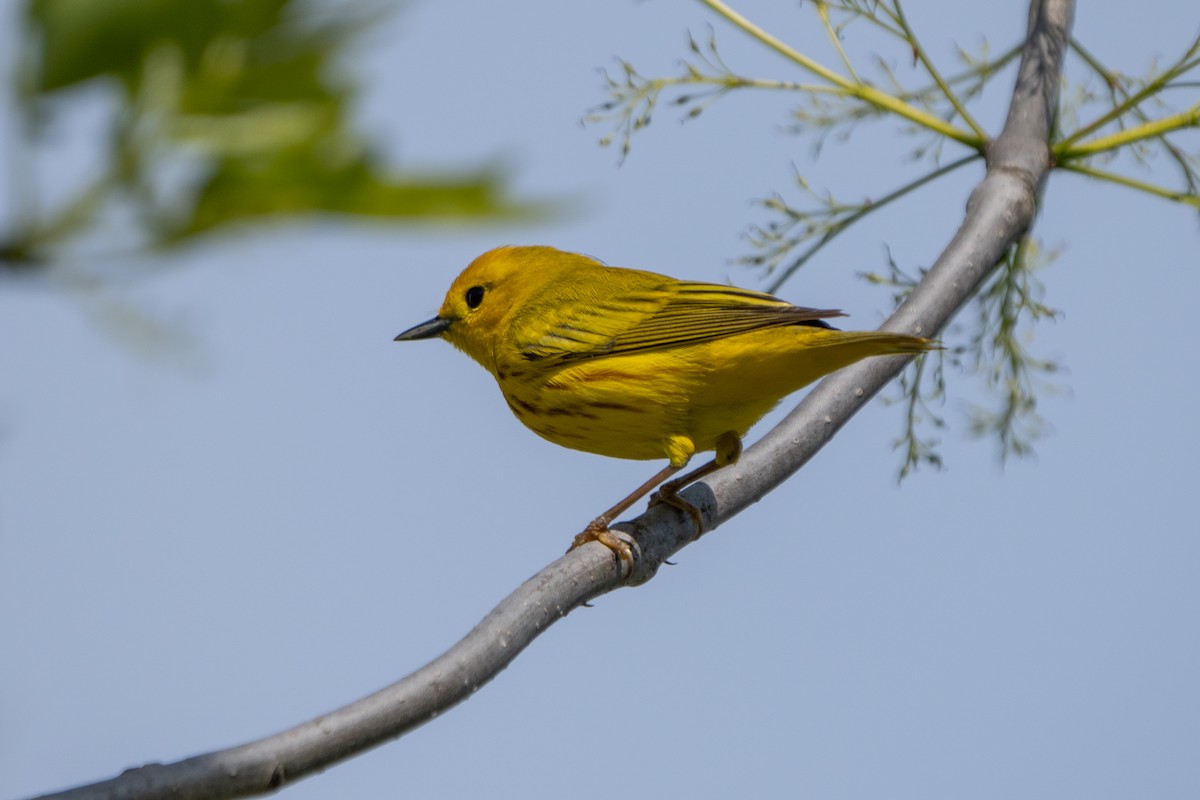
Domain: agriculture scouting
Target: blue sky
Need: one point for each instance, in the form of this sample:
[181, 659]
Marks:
[283, 510]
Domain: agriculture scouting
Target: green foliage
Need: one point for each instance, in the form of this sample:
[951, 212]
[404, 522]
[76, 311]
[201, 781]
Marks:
[1119, 106]
[226, 113]
[1007, 308]
[994, 350]
[807, 231]
[634, 98]
[1124, 115]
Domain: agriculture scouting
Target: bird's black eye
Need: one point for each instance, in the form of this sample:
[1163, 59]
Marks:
[474, 296]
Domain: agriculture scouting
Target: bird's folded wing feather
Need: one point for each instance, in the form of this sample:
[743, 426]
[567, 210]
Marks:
[658, 317]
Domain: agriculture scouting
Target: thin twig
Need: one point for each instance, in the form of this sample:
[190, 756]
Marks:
[862, 91]
[926, 62]
[1127, 136]
[845, 223]
[1132, 183]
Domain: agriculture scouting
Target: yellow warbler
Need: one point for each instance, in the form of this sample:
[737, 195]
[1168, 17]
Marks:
[633, 364]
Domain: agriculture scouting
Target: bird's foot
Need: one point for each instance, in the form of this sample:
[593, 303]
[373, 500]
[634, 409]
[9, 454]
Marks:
[597, 531]
[669, 494]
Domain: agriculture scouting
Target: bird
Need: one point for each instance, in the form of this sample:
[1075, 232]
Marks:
[633, 364]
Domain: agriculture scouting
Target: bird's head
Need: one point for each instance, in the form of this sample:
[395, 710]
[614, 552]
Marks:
[490, 291]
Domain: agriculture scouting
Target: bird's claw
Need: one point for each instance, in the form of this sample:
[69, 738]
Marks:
[597, 531]
[669, 495]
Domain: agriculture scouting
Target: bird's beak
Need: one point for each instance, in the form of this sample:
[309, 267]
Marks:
[426, 330]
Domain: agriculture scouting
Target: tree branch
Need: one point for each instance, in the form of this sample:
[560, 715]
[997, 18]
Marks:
[1000, 211]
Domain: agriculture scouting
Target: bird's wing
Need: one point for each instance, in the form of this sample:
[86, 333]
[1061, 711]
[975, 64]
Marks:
[667, 315]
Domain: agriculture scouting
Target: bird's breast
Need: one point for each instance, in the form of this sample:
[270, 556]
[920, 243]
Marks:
[620, 407]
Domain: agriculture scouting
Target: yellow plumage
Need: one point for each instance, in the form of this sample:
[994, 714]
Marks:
[633, 364]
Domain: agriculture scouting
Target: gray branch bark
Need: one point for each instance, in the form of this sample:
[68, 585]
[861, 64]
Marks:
[1001, 209]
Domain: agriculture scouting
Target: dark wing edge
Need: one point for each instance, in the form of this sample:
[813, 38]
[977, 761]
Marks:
[702, 312]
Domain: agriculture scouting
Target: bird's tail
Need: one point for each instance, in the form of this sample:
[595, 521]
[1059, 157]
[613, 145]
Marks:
[827, 350]
[877, 343]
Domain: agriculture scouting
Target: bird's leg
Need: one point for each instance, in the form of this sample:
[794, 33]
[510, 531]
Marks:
[729, 450]
[597, 530]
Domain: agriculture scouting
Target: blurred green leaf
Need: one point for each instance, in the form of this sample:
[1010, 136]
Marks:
[85, 39]
[229, 112]
[297, 182]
